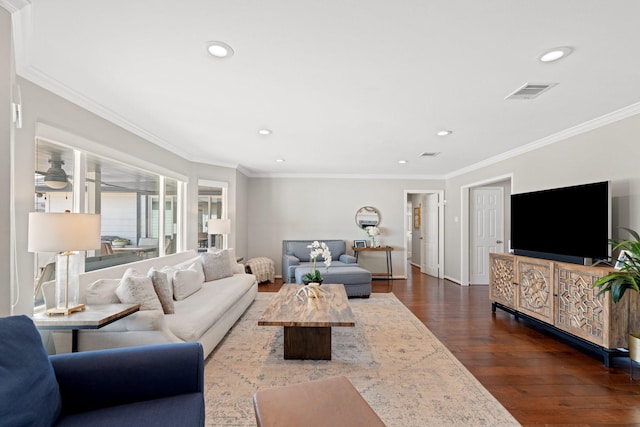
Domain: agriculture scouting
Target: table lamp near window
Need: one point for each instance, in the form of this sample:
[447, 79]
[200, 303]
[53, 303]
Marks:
[217, 226]
[66, 233]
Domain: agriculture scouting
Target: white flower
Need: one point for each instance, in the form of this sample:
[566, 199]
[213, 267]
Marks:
[372, 231]
[319, 249]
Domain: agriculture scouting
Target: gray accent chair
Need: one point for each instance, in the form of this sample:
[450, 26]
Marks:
[295, 253]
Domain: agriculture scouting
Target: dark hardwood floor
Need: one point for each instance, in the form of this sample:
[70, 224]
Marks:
[540, 379]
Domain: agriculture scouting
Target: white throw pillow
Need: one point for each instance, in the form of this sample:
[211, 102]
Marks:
[216, 265]
[163, 289]
[103, 291]
[187, 282]
[135, 288]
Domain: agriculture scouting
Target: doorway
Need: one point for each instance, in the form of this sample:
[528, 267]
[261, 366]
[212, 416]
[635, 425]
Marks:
[486, 226]
[424, 224]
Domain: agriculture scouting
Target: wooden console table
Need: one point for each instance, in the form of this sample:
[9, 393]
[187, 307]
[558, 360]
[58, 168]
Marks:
[388, 250]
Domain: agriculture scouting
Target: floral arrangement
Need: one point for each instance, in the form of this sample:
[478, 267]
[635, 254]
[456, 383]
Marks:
[317, 249]
[372, 232]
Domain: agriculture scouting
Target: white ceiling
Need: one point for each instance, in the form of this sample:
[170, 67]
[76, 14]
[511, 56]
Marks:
[347, 87]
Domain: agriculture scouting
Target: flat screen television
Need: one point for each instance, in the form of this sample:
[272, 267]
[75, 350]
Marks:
[570, 224]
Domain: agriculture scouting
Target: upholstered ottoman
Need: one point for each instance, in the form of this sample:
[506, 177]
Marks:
[356, 280]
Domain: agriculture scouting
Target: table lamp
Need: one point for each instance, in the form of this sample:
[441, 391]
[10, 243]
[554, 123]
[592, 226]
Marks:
[217, 226]
[64, 232]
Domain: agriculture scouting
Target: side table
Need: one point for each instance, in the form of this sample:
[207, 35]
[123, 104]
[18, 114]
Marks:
[387, 249]
[93, 317]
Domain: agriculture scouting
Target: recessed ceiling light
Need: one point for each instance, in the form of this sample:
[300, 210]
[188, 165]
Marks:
[444, 132]
[219, 49]
[403, 162]
[555, 54]
[265, 132]
[280, 160]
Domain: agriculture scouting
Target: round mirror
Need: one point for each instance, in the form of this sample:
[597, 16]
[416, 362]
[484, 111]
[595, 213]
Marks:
[367, 216]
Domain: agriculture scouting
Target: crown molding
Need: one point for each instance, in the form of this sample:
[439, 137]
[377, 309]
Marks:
[614, 116]
[14, 5]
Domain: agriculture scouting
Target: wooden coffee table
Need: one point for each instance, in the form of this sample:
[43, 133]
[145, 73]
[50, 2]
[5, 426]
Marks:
[307, 324]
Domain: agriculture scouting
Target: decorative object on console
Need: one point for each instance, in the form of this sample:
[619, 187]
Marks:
[65, 232]
[218, 226]
[359, 243]
[317, 249]
[373, 232]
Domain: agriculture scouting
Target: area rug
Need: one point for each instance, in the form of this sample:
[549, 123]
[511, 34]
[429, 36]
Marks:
[401, 369]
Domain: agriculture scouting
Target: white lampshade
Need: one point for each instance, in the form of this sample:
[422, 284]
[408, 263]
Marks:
[219, 226]
[63, 231]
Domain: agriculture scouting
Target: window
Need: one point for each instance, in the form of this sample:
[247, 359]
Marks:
[212, 203]
[127, 198]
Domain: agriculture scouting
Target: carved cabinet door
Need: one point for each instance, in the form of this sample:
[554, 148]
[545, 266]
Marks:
[535, 288]
[502, 276]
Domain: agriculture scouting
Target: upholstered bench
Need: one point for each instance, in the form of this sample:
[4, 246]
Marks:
[356, 280]
[329, 402]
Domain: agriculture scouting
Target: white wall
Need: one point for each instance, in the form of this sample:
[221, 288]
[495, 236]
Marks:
[324, 208]
[610, 152]
[6, 137]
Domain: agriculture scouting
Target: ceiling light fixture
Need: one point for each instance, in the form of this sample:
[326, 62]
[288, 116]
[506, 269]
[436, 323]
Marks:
[403, 162]
[265, 131]
[56, 177]
[219, 50]
[444, 132]
[555, 54]
[280, 160]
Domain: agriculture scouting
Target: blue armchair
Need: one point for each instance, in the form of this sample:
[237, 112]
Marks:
[160, 385]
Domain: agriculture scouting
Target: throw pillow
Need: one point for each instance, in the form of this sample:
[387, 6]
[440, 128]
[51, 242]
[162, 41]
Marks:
[29, 392]
[103, 291]
[216, 265]
[187, 282]
[169, 272]
[163, 289]
[135, 288]
[163, 286]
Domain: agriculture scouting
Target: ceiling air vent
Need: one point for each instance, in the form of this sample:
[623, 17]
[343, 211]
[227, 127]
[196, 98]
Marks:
[428, 154]
[530, 90]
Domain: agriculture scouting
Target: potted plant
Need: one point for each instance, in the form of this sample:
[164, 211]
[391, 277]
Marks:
[626, 277]
[317, 249]
[119, 242]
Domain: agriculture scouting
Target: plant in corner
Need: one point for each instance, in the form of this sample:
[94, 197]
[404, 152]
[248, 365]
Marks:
[317, 249]
[628, 274]
[626, 277]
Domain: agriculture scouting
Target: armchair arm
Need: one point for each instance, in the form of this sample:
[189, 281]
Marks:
[347, 259]
[287, 262]
[103, 378]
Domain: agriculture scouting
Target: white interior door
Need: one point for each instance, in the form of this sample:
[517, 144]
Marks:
[430, 236]
[486, 230]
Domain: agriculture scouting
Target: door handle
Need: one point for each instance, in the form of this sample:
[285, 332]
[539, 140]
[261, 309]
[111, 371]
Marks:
[498, 241]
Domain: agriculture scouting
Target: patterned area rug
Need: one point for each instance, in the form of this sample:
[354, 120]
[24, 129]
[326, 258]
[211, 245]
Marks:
[405, 373]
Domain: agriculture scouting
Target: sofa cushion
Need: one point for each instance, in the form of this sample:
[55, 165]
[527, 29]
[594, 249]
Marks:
[179, 410]
[163, 289]
[216, 265]
[29, 392]
[135, 288]
[299, 249]
[188, 281]
[103, 291]
[193, 317]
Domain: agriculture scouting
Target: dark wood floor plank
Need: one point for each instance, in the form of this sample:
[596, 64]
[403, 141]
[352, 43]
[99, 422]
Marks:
[540, 379]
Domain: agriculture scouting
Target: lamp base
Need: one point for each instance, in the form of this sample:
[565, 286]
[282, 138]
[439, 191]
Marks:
[65, 311]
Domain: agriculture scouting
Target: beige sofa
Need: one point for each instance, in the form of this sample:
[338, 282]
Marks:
[205, 316]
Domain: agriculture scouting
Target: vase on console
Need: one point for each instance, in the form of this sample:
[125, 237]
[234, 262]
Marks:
[373, 232]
